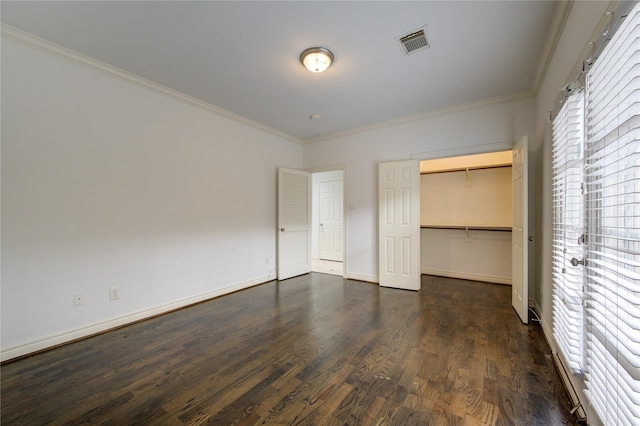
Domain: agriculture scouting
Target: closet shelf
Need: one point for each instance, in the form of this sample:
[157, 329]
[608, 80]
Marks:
[468, 169]
[469, 228]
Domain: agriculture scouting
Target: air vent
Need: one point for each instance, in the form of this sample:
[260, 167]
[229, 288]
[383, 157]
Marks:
[414, 41]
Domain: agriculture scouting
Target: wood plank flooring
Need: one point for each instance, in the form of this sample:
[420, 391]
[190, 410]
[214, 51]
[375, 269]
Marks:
[312, 350]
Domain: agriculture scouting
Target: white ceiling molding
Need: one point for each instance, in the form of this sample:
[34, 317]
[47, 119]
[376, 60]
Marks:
[48, 47]
[558, 21]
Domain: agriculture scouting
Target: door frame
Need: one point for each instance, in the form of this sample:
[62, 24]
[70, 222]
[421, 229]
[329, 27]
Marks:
[496, 147]
[345, 230]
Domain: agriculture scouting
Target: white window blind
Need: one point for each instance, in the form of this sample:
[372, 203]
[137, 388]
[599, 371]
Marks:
[568, 229]
[612, 271]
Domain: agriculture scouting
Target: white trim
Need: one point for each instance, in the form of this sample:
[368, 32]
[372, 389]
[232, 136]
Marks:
[46, 46]
[422, 116]
[361, 277]
[556, 29]
[466, 276]
[571, 383]
[91, 330]
[465, 150]
[330, 168]
[546, 329]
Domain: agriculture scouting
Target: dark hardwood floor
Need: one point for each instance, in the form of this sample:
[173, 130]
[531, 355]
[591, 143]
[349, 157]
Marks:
[315, 349]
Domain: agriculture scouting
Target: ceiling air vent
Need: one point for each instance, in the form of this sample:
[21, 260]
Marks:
[414, 41]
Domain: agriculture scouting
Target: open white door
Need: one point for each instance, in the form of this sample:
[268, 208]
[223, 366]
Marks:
[519, 250]
[399, 224]
[294, 223]
[331, 223]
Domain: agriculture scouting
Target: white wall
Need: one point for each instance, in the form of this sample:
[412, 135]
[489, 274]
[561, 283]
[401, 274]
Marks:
[482, 199]
[485, 256]
[108, 183]
[465, 128]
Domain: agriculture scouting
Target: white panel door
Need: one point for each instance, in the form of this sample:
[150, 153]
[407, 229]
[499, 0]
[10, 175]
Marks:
[519, 251]
[331, 223]
[294, 223]
[399, 224]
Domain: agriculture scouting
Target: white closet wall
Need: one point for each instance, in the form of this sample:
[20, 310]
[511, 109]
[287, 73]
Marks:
[474, 199]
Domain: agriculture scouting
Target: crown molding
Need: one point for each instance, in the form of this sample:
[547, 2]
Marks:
[423, 116]
[556, 28]
[48, 47]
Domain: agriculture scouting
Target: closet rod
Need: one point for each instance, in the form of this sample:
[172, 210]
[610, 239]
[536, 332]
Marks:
[469, 228]
[462, 169]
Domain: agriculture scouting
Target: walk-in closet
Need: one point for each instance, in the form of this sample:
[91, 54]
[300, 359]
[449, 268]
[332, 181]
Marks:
[466, 217]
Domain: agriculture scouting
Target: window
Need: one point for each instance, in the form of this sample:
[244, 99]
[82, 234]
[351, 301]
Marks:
[596, 311]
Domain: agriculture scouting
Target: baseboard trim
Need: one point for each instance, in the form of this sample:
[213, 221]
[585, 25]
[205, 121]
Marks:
[361, 277]
[569, 385]
[546, 329]
[466, 276]
[91, 330]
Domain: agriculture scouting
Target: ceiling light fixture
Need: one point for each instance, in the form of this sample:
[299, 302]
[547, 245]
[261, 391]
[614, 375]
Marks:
[316, 59]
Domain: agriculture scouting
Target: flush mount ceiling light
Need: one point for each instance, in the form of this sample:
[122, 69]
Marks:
[316, 59]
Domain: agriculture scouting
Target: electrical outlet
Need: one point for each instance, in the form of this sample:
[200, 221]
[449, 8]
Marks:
[78, 299]
[114, 293]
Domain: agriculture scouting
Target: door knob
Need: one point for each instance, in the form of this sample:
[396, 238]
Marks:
[281, 229]
[576, 262]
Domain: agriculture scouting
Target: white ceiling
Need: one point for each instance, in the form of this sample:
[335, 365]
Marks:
[244, 56]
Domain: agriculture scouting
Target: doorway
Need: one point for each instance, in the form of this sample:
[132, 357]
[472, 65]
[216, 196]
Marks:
[519, 256]
[466, 217]
[327, 222]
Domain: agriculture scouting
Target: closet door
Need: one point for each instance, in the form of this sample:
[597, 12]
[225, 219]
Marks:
[519, 249]
[399, 224]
